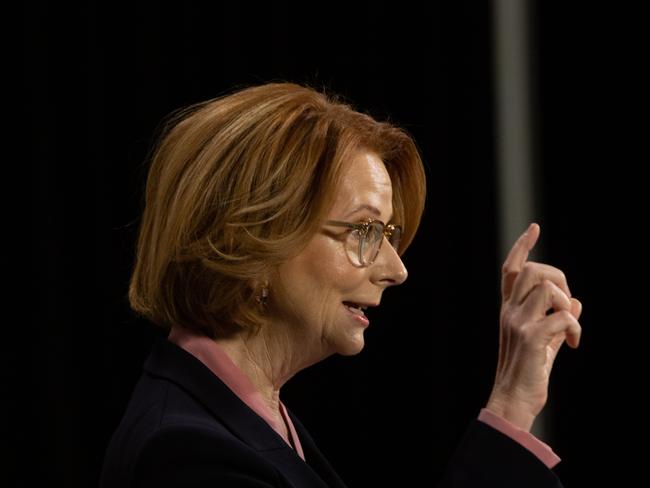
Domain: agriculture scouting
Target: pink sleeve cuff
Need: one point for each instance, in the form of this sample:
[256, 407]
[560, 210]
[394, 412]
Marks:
[529, 441]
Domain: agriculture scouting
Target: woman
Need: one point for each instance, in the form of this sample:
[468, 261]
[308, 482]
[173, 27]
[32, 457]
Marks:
[260, 248]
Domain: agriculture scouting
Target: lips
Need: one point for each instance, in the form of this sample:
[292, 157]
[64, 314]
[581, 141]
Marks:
[359, 307]
[356, 313]
[355, 308]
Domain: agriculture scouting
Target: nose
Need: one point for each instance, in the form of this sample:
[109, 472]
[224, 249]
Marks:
[388, 268]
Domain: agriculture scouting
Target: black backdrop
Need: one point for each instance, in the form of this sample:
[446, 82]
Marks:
[98, 80]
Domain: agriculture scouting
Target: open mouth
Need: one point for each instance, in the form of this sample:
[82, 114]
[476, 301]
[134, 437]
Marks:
[355, 308]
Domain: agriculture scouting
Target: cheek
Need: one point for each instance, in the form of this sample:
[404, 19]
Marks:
[324, 271]
[331, 269]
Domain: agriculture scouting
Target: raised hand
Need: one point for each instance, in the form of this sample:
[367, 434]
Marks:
[530, 337]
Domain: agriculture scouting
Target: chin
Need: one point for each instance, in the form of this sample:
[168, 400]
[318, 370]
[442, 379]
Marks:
[352, 346]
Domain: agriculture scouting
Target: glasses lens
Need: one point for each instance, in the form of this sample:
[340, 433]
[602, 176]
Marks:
[354, 245]
[370, 245]
[396, 237]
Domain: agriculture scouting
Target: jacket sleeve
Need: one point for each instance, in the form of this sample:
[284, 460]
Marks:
[487, 458]
[182, 456]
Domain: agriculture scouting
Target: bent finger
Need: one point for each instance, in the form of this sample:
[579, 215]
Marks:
[544, 297]
[576, 308]
[562, 322]
[534, 273]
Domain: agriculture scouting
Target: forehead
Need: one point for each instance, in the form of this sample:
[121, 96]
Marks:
[365, 181]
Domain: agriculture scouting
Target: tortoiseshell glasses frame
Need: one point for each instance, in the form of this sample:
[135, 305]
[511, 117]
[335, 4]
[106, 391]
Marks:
[370, 235]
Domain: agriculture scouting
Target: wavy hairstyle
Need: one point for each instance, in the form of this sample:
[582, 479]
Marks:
[239, 184]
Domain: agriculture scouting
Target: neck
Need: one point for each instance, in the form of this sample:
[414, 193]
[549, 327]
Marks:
[268, 361]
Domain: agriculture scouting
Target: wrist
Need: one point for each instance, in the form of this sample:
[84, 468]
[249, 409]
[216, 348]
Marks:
[518, 415]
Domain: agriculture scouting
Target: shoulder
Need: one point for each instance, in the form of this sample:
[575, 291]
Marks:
[199, 455]
[158, 404]
[166, 435]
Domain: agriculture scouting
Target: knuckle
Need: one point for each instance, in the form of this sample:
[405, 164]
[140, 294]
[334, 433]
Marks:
[513, 323]
[549, 287]
[529, 266]
[526, 333]
[563, 279]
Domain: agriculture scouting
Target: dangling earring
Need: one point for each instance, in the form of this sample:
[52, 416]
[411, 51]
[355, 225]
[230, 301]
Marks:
[264, 297]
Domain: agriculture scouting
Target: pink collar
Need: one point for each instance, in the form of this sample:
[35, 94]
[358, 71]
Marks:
[215, 358]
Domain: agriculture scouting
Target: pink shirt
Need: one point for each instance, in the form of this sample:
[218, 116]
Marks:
[215, 358]
[526, 439]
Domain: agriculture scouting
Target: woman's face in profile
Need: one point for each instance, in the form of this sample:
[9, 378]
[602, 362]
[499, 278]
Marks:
[318, 281]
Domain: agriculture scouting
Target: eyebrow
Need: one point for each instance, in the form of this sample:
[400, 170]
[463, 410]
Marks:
[365, 206]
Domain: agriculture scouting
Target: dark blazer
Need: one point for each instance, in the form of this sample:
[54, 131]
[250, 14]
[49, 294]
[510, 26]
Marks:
[185, 428]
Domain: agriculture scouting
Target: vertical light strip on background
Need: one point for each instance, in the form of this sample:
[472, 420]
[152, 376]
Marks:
[514, 138]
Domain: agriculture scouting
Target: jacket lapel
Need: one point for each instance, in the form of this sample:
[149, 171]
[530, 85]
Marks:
[315, 458]
[173, 363]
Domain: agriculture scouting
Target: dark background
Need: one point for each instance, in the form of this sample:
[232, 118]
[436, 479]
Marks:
[98, 80]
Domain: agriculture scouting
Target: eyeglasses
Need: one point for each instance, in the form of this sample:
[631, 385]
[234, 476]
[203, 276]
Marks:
[366, 237]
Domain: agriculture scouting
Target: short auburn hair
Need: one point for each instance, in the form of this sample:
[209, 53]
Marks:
[239, 184]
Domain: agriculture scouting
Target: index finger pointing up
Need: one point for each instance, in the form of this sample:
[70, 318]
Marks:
[517, 256]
